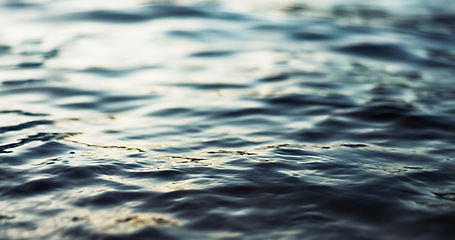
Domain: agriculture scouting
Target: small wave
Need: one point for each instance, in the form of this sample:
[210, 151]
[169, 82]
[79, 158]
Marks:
[37, 137]
[390, 52]
[24, 113]
[26, 125]
[151, 12]
[210, 54]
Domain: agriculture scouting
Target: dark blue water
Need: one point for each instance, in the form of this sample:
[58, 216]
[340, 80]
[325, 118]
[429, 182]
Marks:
[227, 120]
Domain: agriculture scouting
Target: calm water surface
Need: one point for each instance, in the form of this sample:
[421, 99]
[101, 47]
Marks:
[227, 119]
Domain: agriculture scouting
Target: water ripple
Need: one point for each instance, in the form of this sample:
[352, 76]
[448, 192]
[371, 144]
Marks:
[227, 120]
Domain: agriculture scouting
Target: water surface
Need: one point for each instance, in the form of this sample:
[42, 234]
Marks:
[227, 119]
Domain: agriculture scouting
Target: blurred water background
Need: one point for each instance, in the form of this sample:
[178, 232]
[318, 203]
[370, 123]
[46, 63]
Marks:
[227, 119]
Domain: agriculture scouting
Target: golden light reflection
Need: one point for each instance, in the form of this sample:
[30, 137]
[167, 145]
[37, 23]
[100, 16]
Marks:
[125, 223]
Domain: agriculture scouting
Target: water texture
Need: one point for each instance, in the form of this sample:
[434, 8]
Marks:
[227, 119]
